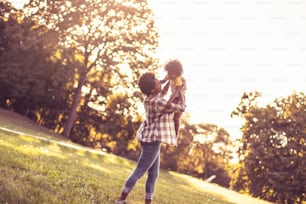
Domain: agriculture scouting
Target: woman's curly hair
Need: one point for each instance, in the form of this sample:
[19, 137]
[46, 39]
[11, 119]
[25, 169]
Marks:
[146, 83]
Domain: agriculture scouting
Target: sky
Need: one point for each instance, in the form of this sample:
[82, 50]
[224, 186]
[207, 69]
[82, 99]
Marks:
[228, 47]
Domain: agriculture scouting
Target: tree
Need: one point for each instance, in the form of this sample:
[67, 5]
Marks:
[31, 78]
[106, 37]
[48, 47]
[273, 146]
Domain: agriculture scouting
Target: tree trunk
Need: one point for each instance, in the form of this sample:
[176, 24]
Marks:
[74, 107]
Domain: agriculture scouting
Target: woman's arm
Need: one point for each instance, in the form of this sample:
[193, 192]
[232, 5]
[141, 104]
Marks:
[165, 89]
[164, 80]
[165, 106]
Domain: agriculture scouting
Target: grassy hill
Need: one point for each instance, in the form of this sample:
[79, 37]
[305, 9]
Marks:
[38, 166]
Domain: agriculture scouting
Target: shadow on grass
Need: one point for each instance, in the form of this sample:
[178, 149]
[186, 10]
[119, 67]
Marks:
[22, 125]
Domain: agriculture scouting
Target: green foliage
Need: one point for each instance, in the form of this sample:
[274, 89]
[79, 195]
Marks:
[273, 148]
[32, 80]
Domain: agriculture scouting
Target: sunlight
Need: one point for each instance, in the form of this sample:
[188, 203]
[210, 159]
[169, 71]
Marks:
[126, 70]
[199, 138]
[98, 167]
[19, 3]
[60, 142]
[29, 149]
[227, 48]
[29, 139]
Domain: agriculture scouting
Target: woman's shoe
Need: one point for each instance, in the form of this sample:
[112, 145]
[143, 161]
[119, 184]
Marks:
[120, 202]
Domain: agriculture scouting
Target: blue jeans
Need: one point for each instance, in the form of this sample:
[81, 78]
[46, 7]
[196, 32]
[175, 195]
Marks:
[148, 162]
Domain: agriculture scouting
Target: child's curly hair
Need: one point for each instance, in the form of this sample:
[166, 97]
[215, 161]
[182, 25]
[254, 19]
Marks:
[174, 67]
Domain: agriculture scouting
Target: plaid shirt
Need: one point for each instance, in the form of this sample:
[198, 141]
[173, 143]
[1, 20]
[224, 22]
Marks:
[159, 124]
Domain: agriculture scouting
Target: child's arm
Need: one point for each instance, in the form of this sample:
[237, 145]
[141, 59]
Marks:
[164, 80]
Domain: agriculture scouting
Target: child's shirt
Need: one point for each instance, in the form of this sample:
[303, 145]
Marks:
[178, 82]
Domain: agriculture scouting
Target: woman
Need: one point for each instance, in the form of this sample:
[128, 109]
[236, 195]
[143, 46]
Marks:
[157, 128]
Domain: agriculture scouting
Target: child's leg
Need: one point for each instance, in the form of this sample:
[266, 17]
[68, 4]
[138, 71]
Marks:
[176, 119]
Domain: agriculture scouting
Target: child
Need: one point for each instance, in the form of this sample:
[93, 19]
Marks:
[178, 87]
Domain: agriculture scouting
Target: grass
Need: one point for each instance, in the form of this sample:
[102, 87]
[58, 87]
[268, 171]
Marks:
[38, 167]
